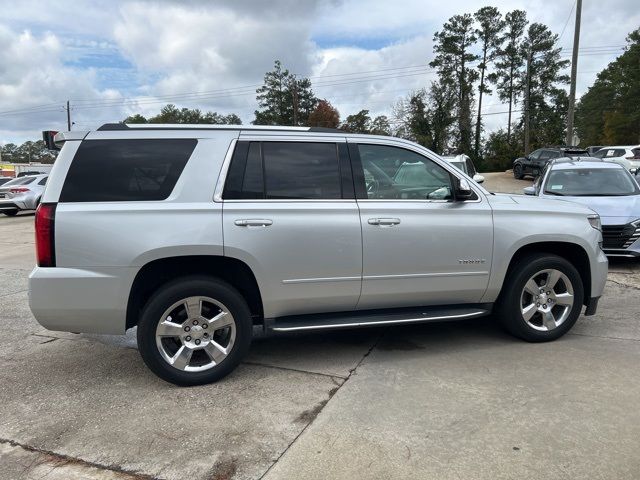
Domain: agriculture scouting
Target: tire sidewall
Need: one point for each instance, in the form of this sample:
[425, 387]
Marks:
[174, 292]
[518, 171]
[510, 310]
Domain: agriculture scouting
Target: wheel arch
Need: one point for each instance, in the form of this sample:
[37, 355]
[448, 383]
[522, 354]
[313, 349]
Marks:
[572, 252]
[158, 272]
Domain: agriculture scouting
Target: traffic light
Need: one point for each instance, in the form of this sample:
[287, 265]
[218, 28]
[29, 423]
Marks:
[47, 138]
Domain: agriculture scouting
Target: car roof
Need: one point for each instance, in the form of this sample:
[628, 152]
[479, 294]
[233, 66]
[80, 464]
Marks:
[569, 163]
[191, 126]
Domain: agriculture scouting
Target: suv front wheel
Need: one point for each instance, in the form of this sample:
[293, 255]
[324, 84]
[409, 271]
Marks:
[194, 330]
[542, 298]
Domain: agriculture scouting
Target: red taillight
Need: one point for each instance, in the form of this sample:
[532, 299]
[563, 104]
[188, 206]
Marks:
[19, 190]
[45, 235]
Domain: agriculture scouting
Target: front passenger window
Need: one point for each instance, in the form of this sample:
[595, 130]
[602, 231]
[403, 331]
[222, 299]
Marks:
[396, 173]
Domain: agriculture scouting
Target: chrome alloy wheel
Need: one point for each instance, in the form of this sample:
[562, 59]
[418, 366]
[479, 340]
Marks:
[546, 300]
[195, 334]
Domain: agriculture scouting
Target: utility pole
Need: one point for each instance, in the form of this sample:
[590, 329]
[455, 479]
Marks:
[574, 71]
[68, 117]
[526, 103]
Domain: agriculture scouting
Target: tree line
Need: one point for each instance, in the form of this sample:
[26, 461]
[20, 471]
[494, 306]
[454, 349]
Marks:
[475, 54]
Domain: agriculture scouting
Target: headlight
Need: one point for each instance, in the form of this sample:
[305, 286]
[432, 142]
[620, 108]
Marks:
[594, 220]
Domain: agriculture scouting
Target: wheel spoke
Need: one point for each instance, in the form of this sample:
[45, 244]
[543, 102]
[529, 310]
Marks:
[531, 287]
[552, 278]
[221, 320]
[193, 306]
[529, 311]
[565, 299]
[169, 329]
[549, 320]
[216, 352]
[182, 357]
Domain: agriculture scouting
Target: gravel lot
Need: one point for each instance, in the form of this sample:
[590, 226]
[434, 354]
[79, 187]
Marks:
[453, 400]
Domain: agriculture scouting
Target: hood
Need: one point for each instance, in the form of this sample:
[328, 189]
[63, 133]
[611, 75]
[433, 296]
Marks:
[538, 204]
[612, 210]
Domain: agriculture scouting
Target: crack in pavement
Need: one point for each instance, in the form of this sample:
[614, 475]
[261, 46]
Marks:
[323, 404]
[78, 461]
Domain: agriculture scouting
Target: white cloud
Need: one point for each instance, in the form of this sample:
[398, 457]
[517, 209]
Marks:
[191, 46]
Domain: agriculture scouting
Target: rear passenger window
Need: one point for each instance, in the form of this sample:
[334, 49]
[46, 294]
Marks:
[126, 170]
[284, 170]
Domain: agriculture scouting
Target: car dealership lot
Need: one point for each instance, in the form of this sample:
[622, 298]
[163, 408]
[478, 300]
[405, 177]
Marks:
[452, 400]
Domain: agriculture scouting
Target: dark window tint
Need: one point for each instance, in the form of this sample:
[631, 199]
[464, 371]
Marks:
[43, 181]
[534, 155]
[253, 182]
[126, 170]
[301, 170]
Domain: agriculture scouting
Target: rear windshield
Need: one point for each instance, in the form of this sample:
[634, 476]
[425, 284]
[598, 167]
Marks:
[590, 182]
[19, 181]
[126, 170]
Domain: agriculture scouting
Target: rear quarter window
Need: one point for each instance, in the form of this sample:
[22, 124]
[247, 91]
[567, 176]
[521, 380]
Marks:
[126, 170]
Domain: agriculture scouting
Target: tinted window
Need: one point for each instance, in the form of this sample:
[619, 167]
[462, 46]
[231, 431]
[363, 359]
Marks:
[301, 170]
[43, 181]
[19, 181]
[534, 155]
[126, 170]
[396, 173]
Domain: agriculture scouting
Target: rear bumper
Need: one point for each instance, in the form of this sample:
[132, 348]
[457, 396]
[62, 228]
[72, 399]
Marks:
[6, 205]
[79, 300]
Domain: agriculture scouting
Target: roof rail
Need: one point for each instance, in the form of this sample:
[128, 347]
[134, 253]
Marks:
[185, 126]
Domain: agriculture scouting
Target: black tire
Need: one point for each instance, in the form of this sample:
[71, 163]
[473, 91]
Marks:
[11, 213]
[174, 292]
[518, 172]
[509, 308]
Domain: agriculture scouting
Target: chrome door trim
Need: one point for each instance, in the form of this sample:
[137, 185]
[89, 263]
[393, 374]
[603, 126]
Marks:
[425, 275]
[320, 280]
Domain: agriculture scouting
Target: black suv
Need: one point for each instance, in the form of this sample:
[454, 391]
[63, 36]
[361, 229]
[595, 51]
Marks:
[538, 159]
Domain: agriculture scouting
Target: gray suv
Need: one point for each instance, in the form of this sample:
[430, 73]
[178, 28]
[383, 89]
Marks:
[202, 235]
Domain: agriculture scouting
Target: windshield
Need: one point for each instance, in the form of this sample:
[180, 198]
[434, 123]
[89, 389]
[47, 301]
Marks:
[19, 181]
[459, 165]
[590, 182]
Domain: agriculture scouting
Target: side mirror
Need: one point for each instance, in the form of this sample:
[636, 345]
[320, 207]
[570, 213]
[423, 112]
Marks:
[478, 178]
[529, 190]
[463, 190]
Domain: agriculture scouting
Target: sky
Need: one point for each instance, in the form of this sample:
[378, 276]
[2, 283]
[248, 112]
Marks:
[114, 58]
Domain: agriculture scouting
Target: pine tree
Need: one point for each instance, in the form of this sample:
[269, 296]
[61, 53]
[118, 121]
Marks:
[453, 48]
[510, 60]
[547, 100]
[490, 24]
[284, 99]
[609, 112]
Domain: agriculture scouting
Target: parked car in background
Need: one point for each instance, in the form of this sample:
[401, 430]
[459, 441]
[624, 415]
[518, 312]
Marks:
[464, 163]
[22, 193]
[533, 163]
[4, 180]
[627, 156]
[593, 149]
[199, 235]
[607, 188]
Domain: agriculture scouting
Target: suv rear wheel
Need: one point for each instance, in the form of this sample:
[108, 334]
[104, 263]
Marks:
[518, 172]
[542, 298]
[194, 330]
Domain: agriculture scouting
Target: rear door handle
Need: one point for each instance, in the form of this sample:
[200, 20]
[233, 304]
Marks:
[384, 222]
[257, 222]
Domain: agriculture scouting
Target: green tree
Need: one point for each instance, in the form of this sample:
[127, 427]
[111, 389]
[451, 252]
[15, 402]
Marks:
[547, 99]
[8, 152]
[510, 61]
[284, 99]
[490, 24]
[414, 118]
[361, 122]
[609, 113]
[172, 114]
[453, 48]
[324, 115]
[501, 148]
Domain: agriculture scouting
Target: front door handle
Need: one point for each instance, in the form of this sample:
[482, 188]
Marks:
[384, 222]
[257, 222]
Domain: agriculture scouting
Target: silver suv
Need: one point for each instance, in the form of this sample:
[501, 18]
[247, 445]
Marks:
[200, 235]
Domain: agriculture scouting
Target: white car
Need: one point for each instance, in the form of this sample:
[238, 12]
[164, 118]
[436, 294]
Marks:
[628, 156]
[463, 162]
